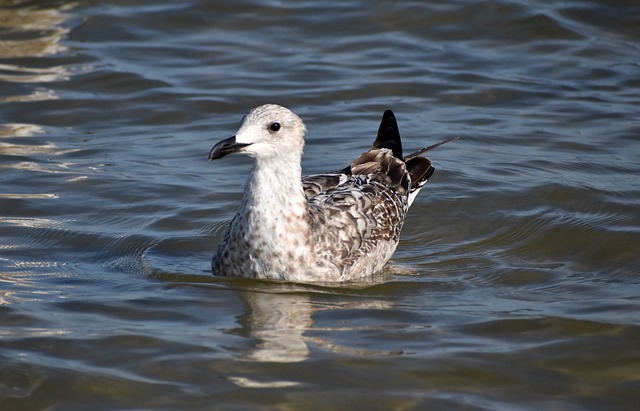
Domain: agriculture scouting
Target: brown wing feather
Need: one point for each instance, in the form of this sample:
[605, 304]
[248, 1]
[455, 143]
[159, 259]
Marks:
[366, 211]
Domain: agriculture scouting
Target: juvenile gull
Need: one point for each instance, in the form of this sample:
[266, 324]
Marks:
[339, 226]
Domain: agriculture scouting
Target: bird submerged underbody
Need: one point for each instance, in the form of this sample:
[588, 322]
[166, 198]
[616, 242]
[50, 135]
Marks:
[333, 227]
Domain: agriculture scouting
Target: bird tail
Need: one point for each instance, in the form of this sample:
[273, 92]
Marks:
[389, 135]
[420, 168]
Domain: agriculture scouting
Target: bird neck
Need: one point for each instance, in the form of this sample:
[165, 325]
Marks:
[274, 195]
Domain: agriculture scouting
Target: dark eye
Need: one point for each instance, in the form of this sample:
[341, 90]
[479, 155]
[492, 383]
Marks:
[274, 126]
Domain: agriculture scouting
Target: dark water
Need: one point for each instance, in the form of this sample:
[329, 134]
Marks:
[517, 282]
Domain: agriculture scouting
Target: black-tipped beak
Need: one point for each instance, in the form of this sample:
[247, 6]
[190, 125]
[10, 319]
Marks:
[224, 147]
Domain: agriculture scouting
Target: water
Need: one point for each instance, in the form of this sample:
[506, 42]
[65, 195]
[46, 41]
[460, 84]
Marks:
[516, 285]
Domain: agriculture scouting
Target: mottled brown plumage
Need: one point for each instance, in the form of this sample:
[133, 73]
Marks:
[338, 226]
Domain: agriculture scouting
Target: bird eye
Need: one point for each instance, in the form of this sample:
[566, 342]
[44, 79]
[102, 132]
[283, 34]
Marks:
[274, 126]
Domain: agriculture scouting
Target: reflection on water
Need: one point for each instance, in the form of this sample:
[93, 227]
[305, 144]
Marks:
[36, 95]
[19, 130]
[279, 322]
[516, 282]
[27, 33]
[20, 74]
[31, 31]
[21, 150]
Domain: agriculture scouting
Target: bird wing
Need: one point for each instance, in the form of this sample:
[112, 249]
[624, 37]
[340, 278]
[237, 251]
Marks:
[320, 183]
[362, 217]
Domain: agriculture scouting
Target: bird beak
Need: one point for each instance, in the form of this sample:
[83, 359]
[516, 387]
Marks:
[226, 146]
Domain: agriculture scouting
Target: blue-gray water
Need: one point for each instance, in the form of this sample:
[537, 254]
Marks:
[516, 285]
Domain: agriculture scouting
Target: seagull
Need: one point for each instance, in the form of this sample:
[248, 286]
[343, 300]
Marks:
[334, 227]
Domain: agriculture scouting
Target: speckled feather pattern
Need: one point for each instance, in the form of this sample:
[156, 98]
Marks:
[338, 226]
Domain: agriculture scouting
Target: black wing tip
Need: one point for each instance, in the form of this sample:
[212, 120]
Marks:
[421, 170]
[387, 113]
[431, 147]
[388, 134]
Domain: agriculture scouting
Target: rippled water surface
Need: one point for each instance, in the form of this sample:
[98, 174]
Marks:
[516, 285]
